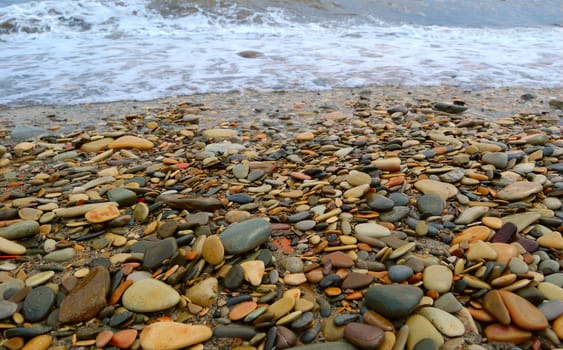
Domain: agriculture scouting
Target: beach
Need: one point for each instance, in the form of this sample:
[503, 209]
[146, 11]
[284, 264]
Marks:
[383, 217]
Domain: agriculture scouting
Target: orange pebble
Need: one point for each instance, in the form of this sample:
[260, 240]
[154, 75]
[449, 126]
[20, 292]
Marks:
[118, 292]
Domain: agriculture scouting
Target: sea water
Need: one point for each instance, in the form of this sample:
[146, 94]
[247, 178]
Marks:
[75, 51]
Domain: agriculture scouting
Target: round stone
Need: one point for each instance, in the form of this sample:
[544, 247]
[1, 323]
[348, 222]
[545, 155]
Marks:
[293, 264]
[149, 295]
[438, 278]
[357, 178]
[498, 159]
[212, 250]
[7, 309]
[38, 303]
[400, 273]
[371, 229]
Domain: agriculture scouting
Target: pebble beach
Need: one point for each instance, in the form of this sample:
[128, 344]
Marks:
[389, 218]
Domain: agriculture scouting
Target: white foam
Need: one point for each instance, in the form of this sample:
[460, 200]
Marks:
[131, 52]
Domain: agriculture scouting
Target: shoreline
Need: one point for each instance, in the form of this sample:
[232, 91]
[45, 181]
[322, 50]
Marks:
[285, 218]
[486, 102]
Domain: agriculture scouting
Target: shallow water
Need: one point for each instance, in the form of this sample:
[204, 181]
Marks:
[72, 51]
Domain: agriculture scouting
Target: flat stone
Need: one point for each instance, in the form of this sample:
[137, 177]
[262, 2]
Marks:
[212, 250]
[123, 196]
[241, 310]
[221, 134]
[492, 222]
[389, 164]
[395, 214]
[39, 278]
[30, 213]
[448, 302]
[453, 175]
[337, 259]
[442, 189]
[371, 229]
[505, 233]
[333, 345]
[124, 338]
[240, 171]
[237, 216]
[551, 309]
[357, 178]
[157, 252]
[430, 204]
[479, 251]
[471, 215]
[438, 278]
[551, 291]
[420, 328]
[355, 280]
[234, 331]
[79, 210]
[517, 266]
[364, 336]
[11, 248]
[96, 145]
[149, 295]
[102, 214]
[552, 240]
[173, 335]
[444, 322]
[40, 342]
[204, 293]
[130, 141]
[356, 192]
[506, 334]
[523, 313]
[180, 201]
[234, 277]
[245, 236]
[557, 327]
[20, 230]
[473, 234]
[60, 255]
[393, 301]
[293, 264]
[224, 148]
[494, 305]
[282, 307]
[519, 190]
[87, 298]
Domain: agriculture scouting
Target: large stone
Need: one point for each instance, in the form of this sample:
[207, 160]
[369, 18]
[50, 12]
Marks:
[220, 133]
[244, 236]
[523, 313]
[438, 278]
[123, 196]
[519, 190]
[442, 189]
[430, 204]
[38, 303]
[522, 220]
[357, 178]
[393, 301]
[87, 298]
[173, 335]
[363, 335]
[150, 295]
[420, 328]
[471, 215]
[20, 229]
[102, 214]
[213, 251]
[506, 334]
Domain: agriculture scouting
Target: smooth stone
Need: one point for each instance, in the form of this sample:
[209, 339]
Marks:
[552, 203]
[506, 334]
[124, 338]
[363, 335]
[438, 278]
[357, 178]
[102, 214]
[332, 345]
[173, 335]
[30, 214]
[96, 145]
[442, 189]
[519, 190]
[11, 248]
[220, 133]
[241, 310]
[240, 171]
[237, 216]
[426, 344]
[305, 225]
[448, 302]
[293, 264]
[389, 164]
[234, 331]
[19, 230]
[204, 293]
[355, 280]
[224, 148]
[523, 313]
[244, 236]
[400, 273]
[39, 278]
[498, 159]
[253, 271]
[371, 229]
[234, 277]
[7, 308]
[87, 298]
[282, 307]
[357, 192]
[492, 222]
[471, 215]
[473, 234]
[517, 266]
[337, 259]
[420, 328]
[494, 305]
[60, 255]
[130, 141]
[40, 342]
[180, 201]
[430, 204]
[553, 240]
[123, 196]
[330, 331]
[480, 250]
[395, 214]
[79, 210]
[453, 175]
[393, 301]
[213, 251]
[522, 220]
[557, 327]
[149, 295]
[156, 253]
[551, 309]
[378, 202]
[444, 322]
[399, 198]
[551, 291]
[505, 233]
[22, 132]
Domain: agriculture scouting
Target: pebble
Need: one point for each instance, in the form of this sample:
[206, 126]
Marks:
[173, 335]
[421, 328]
[244, 236]
[18, 230]
[438, 278]
[371, 229]
[442, 189]
[363, 335]
[444, 322]
[430, 204]
[204, 293]
[400, 273]
[11, 248]
[149, 295]
[130, 141]
[519, 190]
[393, 301]
[61, 255]
[39, 278]
[212, 250]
